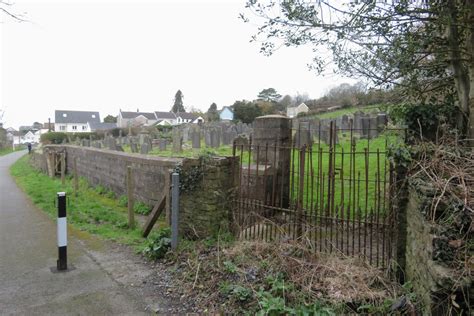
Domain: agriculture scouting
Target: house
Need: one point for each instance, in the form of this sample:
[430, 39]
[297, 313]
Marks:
[31, 137]
[166, 118]
[94, 126]
[184, 117]
[134, 119]
[226, 114]
[295, 110]
[75, 121]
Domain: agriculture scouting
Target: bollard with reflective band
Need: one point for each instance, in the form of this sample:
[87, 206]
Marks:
[62, 232]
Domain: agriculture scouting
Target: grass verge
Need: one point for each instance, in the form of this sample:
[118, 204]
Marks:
[94, 210]
[6, 151]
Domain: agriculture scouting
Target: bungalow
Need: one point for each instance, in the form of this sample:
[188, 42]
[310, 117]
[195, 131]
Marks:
[75, 121]
[135, 119]
[166, 118]
[226, 114]
[293, 111]
[184, 117]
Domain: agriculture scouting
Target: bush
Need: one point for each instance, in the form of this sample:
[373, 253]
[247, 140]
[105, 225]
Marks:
[53, 138]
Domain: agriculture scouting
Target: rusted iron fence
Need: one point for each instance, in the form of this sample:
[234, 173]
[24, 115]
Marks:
[331, 188]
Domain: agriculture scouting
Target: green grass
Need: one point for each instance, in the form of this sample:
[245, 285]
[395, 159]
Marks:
[94, 210]
[188, 151]
[347, 111]
[5, 151]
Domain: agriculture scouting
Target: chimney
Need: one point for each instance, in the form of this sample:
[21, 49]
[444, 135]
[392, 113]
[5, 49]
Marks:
[138, 110]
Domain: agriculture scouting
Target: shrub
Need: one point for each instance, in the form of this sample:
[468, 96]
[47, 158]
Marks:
[53, 138]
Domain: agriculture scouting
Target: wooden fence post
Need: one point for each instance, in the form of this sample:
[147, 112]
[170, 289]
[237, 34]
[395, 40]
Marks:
[131, 215]
[63, 168]
[76, 180]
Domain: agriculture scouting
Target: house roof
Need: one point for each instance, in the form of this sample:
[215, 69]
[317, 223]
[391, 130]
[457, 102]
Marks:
[226, 107]
[81, 117]
[102, 126]
[294, 107]
[165, 115]
[132, 115]
[186, 116]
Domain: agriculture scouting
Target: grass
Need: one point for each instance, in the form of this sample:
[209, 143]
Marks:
[8, 150]
[94, 210]
[346, 111]
[188, 151]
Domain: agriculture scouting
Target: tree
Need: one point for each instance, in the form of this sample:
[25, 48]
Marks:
[178, 102]
[270, 95]
[110, 119]
[212, 113]
[424, 48]
[5, 8]
[246, 112]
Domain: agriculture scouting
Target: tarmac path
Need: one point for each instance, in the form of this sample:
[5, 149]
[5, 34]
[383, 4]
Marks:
[28, 251]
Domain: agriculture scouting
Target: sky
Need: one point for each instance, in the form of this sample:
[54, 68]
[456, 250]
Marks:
[106, 55]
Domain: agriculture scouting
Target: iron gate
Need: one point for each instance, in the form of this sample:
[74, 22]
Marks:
[334, 195]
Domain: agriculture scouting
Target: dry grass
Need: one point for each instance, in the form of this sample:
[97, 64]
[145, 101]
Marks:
[340, 282]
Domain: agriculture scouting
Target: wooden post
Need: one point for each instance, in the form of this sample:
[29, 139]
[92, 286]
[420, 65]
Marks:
[63, 168]
[131, 215]
[76, 179]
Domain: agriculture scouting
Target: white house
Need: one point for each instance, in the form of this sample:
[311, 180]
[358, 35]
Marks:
[31, 137]
[166, 118]
[126, 119]
[226, 114]
[295, 110]
[75, 121]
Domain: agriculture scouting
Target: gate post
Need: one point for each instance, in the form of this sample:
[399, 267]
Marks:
[274, 131]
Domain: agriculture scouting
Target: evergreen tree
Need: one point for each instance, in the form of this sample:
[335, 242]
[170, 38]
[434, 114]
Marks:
[212, 113]
[178, 105]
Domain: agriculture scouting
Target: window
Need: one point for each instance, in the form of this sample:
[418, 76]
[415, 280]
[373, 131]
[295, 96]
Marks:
[84, 127]
[64, 115]
[93, 115]
[62, 128]
[74, 127]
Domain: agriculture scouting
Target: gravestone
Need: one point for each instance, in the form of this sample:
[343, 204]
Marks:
[358, 122]
[364, 122]
[144, 149]
[215, 138]
[207, 138]
[120, 148]
[111, 144]
[196, 138]
[303, 136]
[185, 133]
[133, 147]
[345, 123]
[373, 128]
[241, 140]
[85, 143]
[382, 120]
[177, 141]
[162, 144]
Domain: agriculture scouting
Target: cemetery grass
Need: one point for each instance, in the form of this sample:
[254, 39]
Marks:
[94, 210]
[346, 111]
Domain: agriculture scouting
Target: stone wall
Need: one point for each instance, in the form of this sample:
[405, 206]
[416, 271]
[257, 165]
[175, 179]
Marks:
[205, 206]
[109, 169]
[432, 281]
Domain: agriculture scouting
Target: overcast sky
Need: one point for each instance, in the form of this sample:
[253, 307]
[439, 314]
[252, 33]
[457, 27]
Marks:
[110, 55]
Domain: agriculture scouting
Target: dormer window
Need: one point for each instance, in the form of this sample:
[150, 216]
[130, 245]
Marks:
[64, 115]
[93, 115]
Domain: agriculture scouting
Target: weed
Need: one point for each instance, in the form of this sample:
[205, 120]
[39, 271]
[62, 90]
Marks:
[230, 267]
[123, 201]
[158, 245]
[141, 208]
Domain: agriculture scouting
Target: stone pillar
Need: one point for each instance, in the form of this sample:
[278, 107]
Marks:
[275, 130]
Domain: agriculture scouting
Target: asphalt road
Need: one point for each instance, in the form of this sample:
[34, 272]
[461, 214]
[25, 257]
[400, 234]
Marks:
[28, 251]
